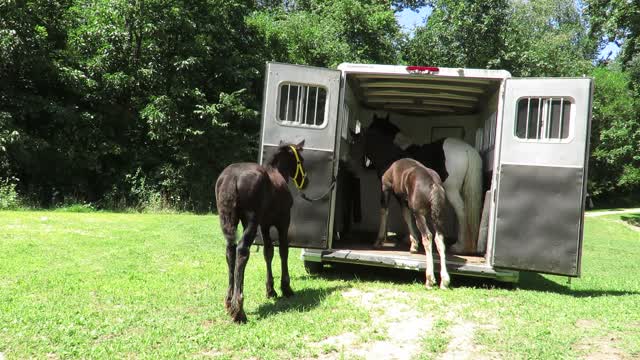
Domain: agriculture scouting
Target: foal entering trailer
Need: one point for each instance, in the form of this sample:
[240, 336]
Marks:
[257, 195]
[420, 191]
[456, 162]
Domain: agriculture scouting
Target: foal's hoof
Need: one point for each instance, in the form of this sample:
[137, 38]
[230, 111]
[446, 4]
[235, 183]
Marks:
[429, 282]
[271, 294]
[444, 283]
[240, 318]
[286, 291]
[379, 244]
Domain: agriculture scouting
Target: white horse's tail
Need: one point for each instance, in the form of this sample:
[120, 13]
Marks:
[472, 194]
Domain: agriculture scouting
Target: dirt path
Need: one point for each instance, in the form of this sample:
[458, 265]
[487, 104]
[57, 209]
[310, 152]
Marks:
[403, 328]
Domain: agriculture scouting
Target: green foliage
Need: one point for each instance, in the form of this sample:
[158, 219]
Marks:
[616, 21]
[76, 208]
[547, 38]
[328, 33]
[528, 38]
[615, 134]
[100, 96]
[460, 34]
[98, 89]
[8, 195]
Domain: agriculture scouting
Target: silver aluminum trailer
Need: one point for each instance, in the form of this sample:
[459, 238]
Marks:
[532, 135]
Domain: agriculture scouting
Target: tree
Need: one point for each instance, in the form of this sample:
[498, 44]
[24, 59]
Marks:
[547, 38]
[616, 21]
[615, 134]
[460, 34]
[528, 38]
[327, 33]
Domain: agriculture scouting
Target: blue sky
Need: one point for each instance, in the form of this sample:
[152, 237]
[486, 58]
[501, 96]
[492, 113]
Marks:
[409, 19]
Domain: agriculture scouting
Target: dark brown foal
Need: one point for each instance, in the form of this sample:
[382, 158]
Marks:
[421, 194]
[257, 195]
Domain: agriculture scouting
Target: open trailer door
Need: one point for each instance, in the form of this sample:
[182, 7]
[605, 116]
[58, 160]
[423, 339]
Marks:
[542, 175]
[301, 103]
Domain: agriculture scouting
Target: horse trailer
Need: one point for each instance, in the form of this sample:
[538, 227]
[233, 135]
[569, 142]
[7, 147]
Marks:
[532, 135]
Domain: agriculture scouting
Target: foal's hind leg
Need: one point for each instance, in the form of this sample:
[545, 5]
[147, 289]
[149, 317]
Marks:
[250, 223]
[414, 234]
[231, 264]
[268, 257]
[229, 225]
[426, 242]
[444, 274]
[283, 247]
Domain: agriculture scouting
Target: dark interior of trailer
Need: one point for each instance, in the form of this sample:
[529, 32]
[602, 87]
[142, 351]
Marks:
[426, 109]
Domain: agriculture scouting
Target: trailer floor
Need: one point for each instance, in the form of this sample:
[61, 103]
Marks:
[396, 255]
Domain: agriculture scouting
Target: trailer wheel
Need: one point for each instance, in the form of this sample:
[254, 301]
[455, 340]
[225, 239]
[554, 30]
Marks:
[313, 267]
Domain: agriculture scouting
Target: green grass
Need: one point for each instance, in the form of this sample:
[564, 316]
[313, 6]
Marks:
[104, 285]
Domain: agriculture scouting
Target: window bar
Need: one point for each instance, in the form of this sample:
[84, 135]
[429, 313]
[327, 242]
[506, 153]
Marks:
[538, 119]
[298, 106]
[548, 122]
[561, 118]
[526, 129]
[286, 112]
[315, 109]
[306, 105]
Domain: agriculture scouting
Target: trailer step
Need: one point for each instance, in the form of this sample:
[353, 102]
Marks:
[456, 264]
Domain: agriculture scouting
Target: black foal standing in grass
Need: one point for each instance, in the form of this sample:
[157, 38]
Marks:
[257, 195]
[420, 191]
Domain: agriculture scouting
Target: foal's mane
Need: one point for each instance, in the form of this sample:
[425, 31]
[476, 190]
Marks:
[283, 148]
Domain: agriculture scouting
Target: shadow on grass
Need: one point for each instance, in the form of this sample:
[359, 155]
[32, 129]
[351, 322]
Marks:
[302, 300]
[632, 219]
[537, 282]
[528, 280]
[351, 272]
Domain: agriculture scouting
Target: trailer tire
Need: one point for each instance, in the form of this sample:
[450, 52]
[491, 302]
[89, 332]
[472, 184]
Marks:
[313, 267]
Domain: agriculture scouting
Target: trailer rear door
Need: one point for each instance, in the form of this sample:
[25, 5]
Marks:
[542, 175]
[301, 103]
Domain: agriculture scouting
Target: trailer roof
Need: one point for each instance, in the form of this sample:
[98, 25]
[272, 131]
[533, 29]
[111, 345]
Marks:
[439, 91]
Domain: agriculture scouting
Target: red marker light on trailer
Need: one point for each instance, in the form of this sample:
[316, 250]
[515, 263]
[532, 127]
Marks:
[422, 69]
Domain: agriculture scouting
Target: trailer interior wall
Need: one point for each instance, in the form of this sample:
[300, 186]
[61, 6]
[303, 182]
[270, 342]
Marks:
[476, 128]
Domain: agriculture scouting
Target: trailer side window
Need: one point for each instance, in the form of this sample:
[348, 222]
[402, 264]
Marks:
[302, 105]
[543, 118]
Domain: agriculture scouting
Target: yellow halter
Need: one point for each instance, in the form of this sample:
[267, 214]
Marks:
[299, 170]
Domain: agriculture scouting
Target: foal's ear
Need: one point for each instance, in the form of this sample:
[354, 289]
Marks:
[300, 145]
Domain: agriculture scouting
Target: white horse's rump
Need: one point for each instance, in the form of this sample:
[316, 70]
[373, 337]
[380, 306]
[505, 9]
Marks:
[463, 188]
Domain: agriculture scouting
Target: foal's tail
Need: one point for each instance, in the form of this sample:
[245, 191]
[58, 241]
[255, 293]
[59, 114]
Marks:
[226, 196]
[472, 193]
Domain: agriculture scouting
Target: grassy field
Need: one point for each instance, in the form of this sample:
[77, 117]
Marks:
[104, 285]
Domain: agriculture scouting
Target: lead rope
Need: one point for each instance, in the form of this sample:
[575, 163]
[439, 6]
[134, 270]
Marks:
[300, 183]
[305, 197]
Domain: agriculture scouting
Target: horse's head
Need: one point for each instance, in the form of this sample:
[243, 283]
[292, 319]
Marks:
[289, 161]
[384, 126]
